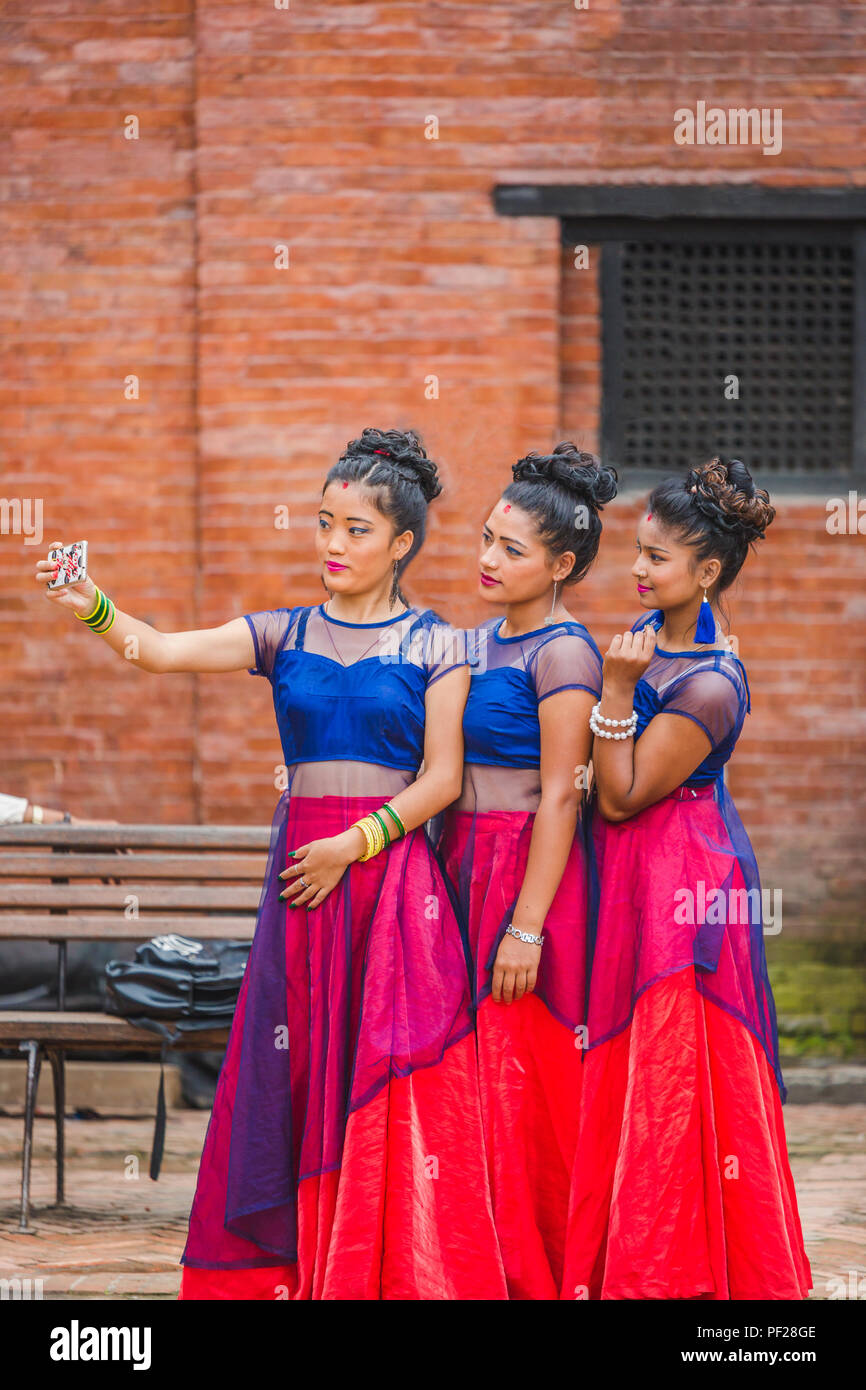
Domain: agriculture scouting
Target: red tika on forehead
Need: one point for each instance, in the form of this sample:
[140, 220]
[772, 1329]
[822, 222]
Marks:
[649, 516]
[345, 485]
[507, 507]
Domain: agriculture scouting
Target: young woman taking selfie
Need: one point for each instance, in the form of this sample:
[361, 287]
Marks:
[344, 1156]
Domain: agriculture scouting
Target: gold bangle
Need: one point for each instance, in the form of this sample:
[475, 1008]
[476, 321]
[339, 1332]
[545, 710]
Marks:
[373, 835]
[376, 832]
[368, 839]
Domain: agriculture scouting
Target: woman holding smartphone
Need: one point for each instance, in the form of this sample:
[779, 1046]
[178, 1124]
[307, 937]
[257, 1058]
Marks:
[344, 1155]
[682, 1187]
[513, 848]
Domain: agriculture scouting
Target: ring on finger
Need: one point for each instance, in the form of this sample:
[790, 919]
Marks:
[303, 882]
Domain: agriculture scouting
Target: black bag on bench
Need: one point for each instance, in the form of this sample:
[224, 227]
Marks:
[176, 986]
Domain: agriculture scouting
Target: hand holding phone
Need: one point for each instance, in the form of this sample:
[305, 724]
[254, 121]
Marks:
[65, 578]
[72, 567]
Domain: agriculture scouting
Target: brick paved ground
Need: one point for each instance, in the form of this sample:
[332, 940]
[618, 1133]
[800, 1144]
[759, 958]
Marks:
[121, 1236]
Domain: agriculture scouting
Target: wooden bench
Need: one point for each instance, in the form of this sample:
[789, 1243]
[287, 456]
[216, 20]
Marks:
[62, 883]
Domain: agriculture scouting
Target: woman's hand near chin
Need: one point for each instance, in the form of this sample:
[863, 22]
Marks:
[628, 657]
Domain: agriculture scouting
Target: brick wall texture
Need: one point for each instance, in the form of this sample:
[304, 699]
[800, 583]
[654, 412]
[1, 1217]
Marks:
[157, 258]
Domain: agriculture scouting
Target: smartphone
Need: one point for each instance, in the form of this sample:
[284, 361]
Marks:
[73, 564]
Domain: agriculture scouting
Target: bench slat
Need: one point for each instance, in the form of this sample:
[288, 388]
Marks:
[93, 1030]
[188, 837]
[169, 897]
[39, 927]
[170, 866]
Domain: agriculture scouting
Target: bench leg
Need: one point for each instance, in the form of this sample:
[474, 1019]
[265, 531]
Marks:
[58, 1071]
[34, 1061]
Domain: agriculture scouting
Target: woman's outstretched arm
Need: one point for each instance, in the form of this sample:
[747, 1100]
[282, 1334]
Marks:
[225, 648]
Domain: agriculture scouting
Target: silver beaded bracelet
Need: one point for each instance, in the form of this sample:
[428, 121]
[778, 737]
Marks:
[612, 723]
[608, 733]
[619, 728]
[524, 936]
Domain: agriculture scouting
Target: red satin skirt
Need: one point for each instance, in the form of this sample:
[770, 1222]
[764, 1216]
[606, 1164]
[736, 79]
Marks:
[529, 1057]
[344, 1158]
[681, 1187]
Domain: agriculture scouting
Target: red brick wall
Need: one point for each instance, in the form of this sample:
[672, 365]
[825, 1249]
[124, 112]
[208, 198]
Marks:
[156, 257]
[97, 282]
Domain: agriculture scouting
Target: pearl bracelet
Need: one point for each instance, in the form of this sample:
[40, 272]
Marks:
[612, 723]
[629, 725]
[608, 733]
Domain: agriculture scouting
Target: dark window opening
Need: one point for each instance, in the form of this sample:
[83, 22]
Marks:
[741, 346]
[700, 282]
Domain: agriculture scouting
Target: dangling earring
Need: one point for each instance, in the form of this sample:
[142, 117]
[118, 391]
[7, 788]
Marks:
[550, 617]
[395, 589]
[706, 628]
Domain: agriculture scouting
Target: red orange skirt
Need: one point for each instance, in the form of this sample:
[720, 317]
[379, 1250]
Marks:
[682, 1187]
[344, 1157]
[529, 1056]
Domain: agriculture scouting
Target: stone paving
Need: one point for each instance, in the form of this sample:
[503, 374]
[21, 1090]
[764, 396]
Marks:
[120, 1235]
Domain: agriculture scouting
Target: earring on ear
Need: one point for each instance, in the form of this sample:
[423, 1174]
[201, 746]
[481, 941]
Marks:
[706, 628]
[550, 617]
[395, 589]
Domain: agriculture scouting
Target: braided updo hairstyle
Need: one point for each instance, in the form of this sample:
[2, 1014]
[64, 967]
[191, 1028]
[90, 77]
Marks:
[717, 509]
[394, 466]
[551, 487]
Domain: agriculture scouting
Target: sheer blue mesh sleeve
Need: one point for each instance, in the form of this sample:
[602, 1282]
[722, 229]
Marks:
[269, 627]
[566, 661]
[713, 697]
[445, 649]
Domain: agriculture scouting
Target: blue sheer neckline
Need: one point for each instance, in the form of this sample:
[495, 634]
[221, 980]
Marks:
[693, 651]
[384, 623]
[548, 627]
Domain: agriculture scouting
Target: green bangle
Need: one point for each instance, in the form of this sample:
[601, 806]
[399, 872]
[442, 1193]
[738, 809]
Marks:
[98, 608]
[384, 827]
[395, 818]
[102, 611]
[103, 627]
[103, 614]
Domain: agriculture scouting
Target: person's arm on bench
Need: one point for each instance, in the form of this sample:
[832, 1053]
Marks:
[225, 648]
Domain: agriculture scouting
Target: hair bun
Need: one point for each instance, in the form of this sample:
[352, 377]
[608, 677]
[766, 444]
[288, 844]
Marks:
[725, 492]
[403, 453]
[580, 473]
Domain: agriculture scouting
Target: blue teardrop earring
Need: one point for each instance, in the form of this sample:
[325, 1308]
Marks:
[706, 628]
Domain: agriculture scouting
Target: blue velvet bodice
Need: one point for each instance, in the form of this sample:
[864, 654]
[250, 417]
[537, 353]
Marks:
[371, 710]
[648, 702]
[500, 723]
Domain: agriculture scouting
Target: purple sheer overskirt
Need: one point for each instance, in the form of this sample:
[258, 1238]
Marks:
[335, 1002]
[678, 886]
